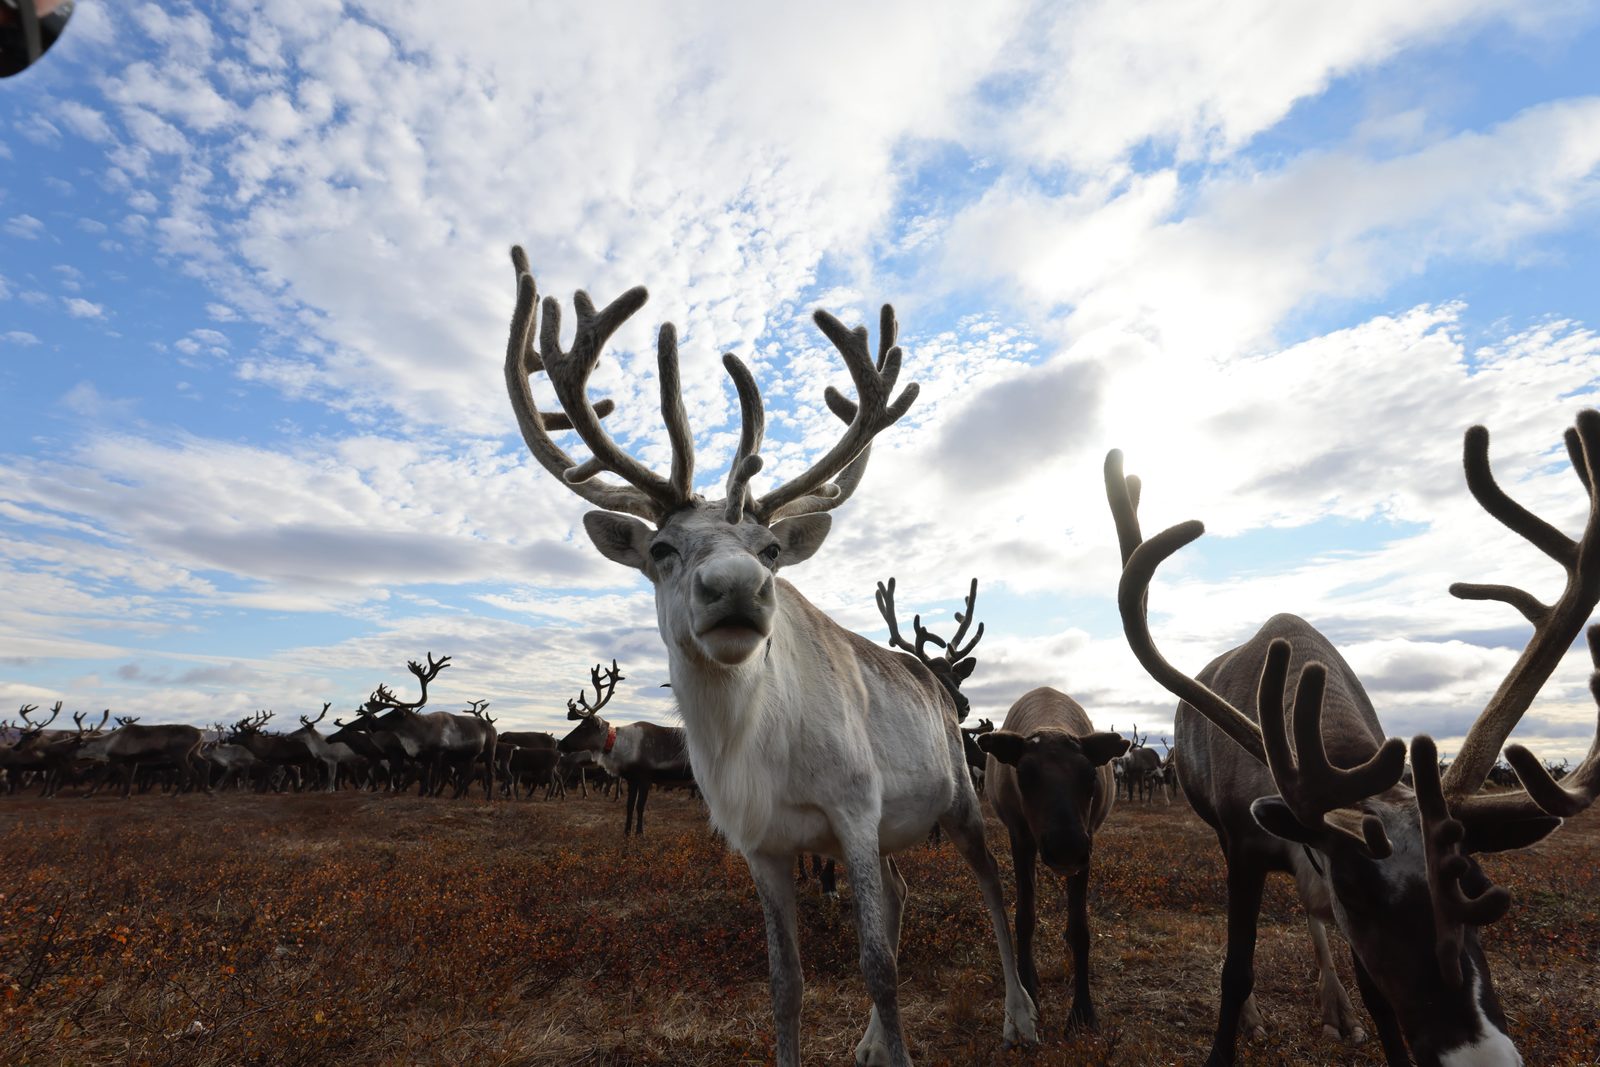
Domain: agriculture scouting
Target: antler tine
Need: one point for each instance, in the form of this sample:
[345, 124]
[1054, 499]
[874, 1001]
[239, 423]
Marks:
[747, 460]
[1442, 837]
[1123, 495]
[647, 495]
[312, 722]
[955, 652]
[1311, 786]
[874, 412]
[885, 597]
[1541, 793]
[1554, 626]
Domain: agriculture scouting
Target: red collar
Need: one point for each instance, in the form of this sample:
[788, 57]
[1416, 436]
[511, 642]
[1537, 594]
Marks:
[611, 738]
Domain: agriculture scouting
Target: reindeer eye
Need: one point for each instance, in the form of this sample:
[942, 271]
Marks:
[661, 550]
[771, 552]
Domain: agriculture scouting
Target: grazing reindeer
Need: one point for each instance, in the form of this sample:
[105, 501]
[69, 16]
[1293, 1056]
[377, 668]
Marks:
[803, 736]
[1391, 864]
[438, 737]
[642, 754]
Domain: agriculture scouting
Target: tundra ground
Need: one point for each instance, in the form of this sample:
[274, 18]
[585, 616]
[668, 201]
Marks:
[355, 928]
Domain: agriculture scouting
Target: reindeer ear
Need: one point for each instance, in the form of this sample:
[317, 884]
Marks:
[620, 538]
[1004, 745]
[1273, 816]
[1102, 748]
[963, 670]
[801, 536]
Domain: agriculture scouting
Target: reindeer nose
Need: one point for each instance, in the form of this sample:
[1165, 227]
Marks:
[735, 580]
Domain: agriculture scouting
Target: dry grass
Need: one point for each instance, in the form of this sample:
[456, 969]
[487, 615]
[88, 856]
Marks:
[362, 929]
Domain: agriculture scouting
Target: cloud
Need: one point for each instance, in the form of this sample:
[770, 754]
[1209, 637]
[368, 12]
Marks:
[24, 226]
[19, 337]
[80, 308]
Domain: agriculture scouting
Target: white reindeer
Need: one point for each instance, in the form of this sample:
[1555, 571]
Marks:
[803, 737]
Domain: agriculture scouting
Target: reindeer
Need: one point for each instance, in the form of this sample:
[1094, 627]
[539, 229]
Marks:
[1391, 864]
[1049, 777]
[287, 751]
[132, 747]
[1139, 765]
[319, 750]
[438, 737]
[802, 736]
[642, 754]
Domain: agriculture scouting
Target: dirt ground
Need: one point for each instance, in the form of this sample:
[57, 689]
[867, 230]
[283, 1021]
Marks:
[358, 929]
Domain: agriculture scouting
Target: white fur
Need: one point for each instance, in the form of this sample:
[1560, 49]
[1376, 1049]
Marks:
[1492, 1048]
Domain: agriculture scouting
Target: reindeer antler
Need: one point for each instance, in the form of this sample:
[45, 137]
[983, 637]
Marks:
[476, 709]
[824, 486]
[1313, 788]
[1555, 627]
[313, 722]
[605, 685]
[956, 665]
[126, 720]
[36, 727]
[383, 697]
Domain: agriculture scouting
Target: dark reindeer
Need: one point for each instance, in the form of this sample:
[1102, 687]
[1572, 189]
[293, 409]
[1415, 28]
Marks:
[1139, 766]
[438, 738]
[1049, 778]
[642, 754]
[132, 747]
[1390, 863]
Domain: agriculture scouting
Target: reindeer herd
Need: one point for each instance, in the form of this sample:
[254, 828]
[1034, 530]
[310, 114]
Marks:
[805, 738]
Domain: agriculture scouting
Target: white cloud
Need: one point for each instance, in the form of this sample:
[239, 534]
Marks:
[25, 226]
[80, 308]
[19, 337]
[84, 121]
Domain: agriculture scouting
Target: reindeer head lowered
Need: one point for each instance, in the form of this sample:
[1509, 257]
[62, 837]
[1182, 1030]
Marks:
[1398, 860]
[712, 562]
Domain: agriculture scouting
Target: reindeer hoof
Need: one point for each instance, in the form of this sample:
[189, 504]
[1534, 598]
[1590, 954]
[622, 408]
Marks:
[1022, 1024]
[1356, 1036]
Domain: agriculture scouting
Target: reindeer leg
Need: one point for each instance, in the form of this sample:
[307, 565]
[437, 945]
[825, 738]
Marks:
[1024, 854]
[1339, 1020]
[875, 1043]
[639, 816]
[1383, 1017]
[963, 822]
[1078, 934]
[771, 874]
[884, 1043]
[1246, 880]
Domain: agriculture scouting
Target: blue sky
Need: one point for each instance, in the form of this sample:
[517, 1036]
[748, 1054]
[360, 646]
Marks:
[254, 291]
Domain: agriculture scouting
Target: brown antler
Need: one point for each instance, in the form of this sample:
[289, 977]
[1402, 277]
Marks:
[36, 727]
[476, 708]
[1555, 627]
[830, 481]
[955, 666]
[1310, 785]
[1302, 792]
[312, 722]
[126, 720]
[79, 717]
[383, 697]
[646, 495]
[605, 684]
[1442, 837]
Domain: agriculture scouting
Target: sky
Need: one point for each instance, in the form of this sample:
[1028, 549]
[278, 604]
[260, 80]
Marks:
[256, 450]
